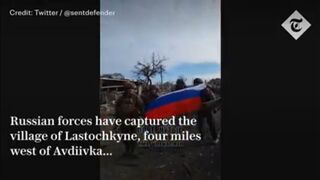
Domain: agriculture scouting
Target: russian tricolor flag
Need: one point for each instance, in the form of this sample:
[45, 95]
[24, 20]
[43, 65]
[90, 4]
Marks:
[176, 103]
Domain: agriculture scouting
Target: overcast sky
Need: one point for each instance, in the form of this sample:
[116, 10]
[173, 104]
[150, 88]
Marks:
[187, 32]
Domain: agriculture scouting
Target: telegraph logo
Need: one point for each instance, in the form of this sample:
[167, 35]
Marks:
[296, 25]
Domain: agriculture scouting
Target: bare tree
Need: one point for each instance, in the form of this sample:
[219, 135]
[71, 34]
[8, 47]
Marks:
[148, 70]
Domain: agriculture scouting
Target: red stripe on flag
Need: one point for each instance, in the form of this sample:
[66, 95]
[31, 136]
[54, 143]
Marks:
[176, 108]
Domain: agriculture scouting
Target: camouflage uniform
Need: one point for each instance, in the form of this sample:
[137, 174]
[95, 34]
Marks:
[207, 95]
[129, 105]
[149, 95]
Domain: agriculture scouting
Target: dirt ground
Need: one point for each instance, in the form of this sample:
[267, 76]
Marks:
[195, 161]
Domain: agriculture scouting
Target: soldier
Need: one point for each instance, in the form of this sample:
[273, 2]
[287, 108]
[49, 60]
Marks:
[207, 95]
[180, 84]
[150, 94]
[129, 105]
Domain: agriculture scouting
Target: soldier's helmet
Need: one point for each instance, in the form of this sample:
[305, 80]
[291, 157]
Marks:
[180, 82]
[197, 81]
[129, 85]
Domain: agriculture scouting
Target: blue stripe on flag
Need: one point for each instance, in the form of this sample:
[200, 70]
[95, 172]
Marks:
[175, 97]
